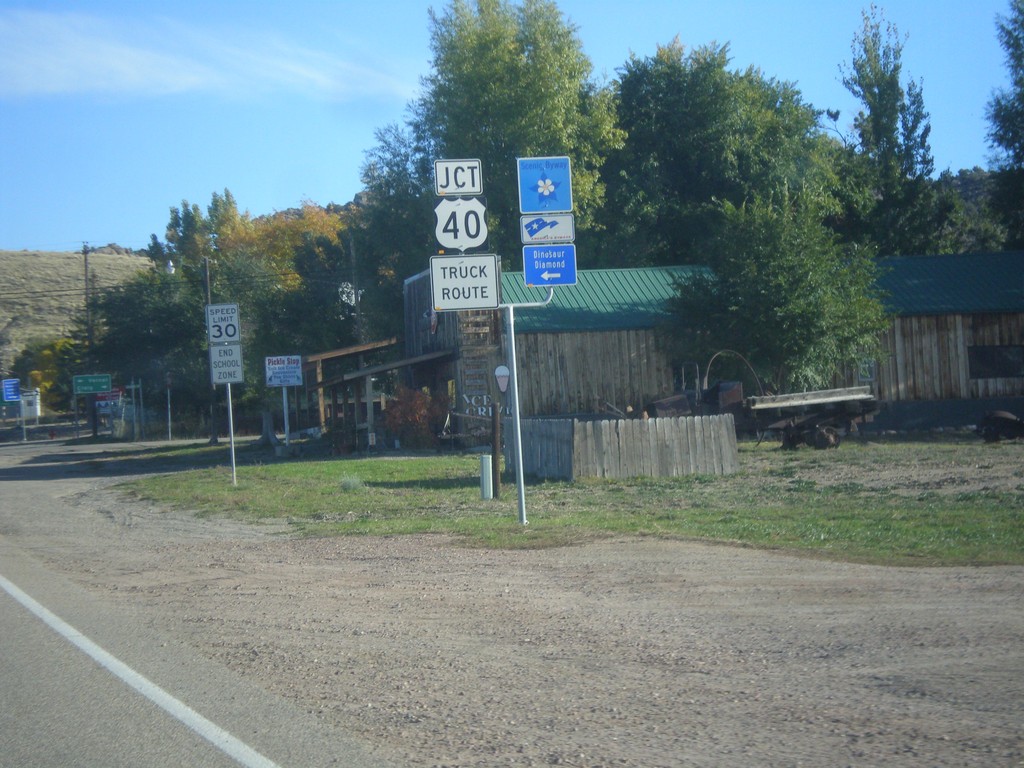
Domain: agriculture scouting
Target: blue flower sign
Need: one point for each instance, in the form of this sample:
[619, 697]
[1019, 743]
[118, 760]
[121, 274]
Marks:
[545, 185]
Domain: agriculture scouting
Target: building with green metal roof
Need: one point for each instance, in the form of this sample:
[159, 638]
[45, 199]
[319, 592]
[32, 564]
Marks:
[957, 334]
[602, 299]
[953, 283]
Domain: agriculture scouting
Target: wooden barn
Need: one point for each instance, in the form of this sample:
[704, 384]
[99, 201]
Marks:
[592, 350]
[957, 336]
[954, 349]
[957, 330]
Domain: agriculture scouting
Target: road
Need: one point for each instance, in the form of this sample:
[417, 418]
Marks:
[347, 651]
[85, 681]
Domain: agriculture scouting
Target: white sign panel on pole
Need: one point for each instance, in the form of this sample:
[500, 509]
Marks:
[223, 324]
[552, 228]
[458, 177]
[226, 364]
[465, 282]
[284, 371]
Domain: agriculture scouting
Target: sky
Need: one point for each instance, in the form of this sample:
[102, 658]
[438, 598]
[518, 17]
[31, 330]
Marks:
[114, 111]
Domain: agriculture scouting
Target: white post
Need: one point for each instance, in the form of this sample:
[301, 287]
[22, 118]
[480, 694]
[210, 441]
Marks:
[284, 401]
[135, 410]
[513, 381]
[231, 428]
[168, 414]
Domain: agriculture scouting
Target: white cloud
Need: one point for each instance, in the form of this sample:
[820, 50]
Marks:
[72, 53]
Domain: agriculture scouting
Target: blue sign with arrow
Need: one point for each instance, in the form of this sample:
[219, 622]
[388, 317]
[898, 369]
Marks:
[549, 264]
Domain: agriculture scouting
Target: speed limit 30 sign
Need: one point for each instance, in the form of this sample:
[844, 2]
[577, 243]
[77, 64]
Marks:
[223, 324]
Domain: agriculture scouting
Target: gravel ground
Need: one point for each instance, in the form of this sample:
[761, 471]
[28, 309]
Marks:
[631, 652]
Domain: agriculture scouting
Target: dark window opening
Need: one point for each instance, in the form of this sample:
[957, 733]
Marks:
[996, 362]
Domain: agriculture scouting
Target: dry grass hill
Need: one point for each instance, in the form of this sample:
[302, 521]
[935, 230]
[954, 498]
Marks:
[42, 292]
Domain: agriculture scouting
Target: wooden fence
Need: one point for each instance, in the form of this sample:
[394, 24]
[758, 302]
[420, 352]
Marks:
[567, 449]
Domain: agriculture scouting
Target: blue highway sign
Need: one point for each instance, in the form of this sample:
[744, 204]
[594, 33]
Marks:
[12, 390]
[549, 264]
[545, 185]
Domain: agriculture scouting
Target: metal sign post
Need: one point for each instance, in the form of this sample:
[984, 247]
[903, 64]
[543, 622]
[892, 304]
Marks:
[231, 429]
[473, 281]
[517, 431]
[223, 326]
[513, 384]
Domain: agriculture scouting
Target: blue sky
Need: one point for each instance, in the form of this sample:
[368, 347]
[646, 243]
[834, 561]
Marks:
[112, 111]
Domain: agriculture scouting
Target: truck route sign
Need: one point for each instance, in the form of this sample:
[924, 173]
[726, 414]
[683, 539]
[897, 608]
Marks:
[464, 282]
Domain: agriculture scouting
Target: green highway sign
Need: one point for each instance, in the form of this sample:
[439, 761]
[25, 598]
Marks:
[92, 383]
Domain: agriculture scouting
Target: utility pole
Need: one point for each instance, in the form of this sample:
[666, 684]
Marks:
[213, 387]
[90, 399]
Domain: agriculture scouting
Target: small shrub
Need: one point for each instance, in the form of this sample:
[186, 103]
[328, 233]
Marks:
[415, 417]
[351, 483]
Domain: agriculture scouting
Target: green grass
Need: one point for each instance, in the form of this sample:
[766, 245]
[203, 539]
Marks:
[823, 503]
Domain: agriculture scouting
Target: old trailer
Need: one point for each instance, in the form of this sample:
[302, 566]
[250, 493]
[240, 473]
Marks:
[818, 418]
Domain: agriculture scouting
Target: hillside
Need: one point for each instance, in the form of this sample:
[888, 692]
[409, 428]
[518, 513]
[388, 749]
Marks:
[42, 292]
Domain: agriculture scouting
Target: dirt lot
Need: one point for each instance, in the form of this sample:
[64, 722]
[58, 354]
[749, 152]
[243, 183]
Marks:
[618, 653]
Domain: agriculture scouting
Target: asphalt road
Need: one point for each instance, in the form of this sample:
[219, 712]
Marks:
[84, 682]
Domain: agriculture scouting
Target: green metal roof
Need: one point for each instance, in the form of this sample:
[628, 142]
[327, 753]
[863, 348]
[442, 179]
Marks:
[601, 300]
[627, 299]
[963, 283]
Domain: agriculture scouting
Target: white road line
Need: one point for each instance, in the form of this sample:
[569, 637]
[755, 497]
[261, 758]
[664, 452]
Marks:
[216, 735]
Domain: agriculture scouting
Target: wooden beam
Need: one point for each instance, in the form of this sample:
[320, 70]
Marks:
[347, 351]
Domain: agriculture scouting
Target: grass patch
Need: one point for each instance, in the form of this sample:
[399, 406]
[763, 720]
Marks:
[825, 503]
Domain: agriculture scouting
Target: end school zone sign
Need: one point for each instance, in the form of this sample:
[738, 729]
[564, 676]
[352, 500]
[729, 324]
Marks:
[464, 282]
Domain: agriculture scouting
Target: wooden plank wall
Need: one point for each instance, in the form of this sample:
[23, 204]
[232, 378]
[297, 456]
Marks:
[925, 357]
[567, 449]
[586, 371]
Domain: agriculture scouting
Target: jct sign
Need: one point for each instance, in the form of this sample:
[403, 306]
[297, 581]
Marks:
[458, 177]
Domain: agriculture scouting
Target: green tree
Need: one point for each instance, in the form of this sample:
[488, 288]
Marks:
[699, 134]
[974, 226]
[288, 273]
[784, 293]
[393, 231]
[49, 366]
[904, 214]
[1006, 128]
[150, 327]
[507, 81]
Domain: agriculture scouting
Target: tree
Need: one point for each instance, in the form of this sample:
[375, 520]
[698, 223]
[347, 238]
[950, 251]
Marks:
[1006, 132]
[289, 274]
[784, 293]
[49, 366]
[150, 327]
[395, 231]
[974, 226]
[507, 81]
[904, 213]
[699, 134]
